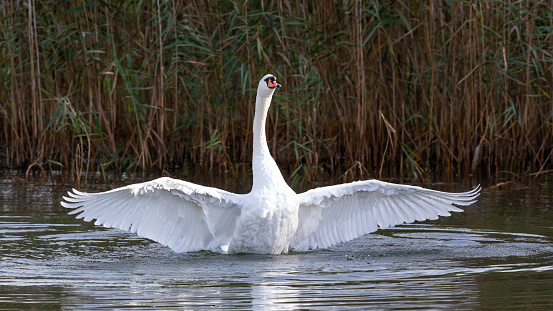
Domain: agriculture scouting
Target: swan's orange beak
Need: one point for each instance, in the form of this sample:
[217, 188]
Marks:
[272, 84]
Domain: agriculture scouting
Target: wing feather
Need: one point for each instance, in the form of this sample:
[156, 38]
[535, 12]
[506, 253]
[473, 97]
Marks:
[394, 216]
[334, 214]
[184, 216]
[409, 205]
[408, 215]
[385, 216]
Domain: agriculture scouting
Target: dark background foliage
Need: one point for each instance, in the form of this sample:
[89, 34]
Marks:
[406, 87]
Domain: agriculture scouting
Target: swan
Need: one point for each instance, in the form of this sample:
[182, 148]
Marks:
[272, 218]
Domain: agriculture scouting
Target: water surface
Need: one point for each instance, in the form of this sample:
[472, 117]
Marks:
[497, 254]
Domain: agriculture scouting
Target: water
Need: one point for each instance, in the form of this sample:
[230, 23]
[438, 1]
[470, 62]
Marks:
[497, 254]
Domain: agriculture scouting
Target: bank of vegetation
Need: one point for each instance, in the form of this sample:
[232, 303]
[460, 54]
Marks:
[405, 87]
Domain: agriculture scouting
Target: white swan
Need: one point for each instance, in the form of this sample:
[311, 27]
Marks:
[271, 218]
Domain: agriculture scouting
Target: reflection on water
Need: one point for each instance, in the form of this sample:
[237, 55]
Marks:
[497, 254]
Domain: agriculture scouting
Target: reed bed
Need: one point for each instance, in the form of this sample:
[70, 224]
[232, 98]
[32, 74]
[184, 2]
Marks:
[404, 87]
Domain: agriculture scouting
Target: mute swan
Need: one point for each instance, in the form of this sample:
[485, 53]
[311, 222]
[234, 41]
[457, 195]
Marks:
[270, 219]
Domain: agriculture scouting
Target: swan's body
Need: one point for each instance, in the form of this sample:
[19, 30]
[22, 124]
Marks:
[271, 218]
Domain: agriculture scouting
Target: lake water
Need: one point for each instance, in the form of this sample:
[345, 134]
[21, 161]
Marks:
[497, 254]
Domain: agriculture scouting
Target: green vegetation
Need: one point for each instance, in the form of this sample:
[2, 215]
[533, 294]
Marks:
[398, 86]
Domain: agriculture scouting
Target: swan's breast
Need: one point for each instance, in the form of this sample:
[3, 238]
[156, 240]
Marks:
[267, 222]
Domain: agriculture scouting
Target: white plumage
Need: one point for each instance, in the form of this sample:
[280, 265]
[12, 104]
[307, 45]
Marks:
[271, 218]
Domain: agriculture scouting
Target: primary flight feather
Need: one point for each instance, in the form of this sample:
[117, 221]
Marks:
[272, 218]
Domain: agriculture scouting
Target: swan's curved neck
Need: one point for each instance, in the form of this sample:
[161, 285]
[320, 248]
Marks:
[266, 174]
[259, 139]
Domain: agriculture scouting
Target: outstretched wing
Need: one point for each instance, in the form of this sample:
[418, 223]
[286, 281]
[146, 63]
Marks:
[334, 214]
[182, 215]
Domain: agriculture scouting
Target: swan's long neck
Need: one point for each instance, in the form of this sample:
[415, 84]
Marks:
[266, 174]
[259, 139]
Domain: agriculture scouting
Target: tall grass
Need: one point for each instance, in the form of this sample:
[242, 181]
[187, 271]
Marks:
[409, 87]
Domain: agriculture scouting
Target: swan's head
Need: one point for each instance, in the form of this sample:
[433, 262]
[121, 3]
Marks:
[267, 85]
